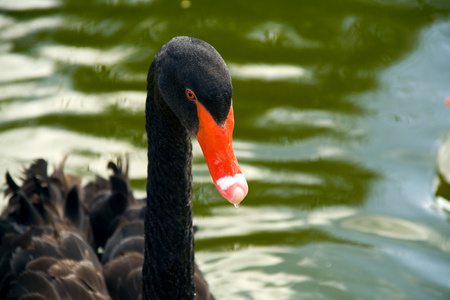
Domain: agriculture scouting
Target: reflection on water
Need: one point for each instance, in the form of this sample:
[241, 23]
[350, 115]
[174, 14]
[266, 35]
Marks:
[269, 72]
[387, 227]
[21, 67]
[85, 56]
[339, 114]
[280, 34]
[29, 4]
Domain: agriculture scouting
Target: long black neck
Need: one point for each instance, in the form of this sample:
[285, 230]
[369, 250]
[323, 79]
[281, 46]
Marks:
[168, 271]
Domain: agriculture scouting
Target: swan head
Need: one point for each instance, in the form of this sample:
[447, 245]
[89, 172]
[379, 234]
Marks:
[195, 82]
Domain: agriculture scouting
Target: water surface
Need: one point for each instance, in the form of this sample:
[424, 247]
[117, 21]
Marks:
[339, 109]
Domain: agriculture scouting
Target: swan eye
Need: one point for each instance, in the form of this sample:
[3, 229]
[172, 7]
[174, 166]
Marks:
[190, 95]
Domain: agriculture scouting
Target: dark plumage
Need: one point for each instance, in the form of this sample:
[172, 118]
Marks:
[61, 241]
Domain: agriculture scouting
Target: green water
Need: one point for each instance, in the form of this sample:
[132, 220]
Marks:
[339, 109]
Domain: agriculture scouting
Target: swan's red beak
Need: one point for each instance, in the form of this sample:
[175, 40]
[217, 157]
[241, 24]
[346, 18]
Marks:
[216, 143]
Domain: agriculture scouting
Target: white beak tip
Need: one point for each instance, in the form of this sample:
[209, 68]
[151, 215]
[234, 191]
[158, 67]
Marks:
[234, 189]
[238, 195]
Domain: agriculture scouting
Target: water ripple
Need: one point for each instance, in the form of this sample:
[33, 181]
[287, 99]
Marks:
[268, 72]
[21, 67]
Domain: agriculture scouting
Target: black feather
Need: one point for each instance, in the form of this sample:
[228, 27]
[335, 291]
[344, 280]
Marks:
[12, 186]
[31, 282]
[103, 214]
[73, 209]
[127, 230]
[73, 246]
[116, 273]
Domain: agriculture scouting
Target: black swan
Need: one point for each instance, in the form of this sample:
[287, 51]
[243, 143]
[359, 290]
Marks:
[50, 228]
